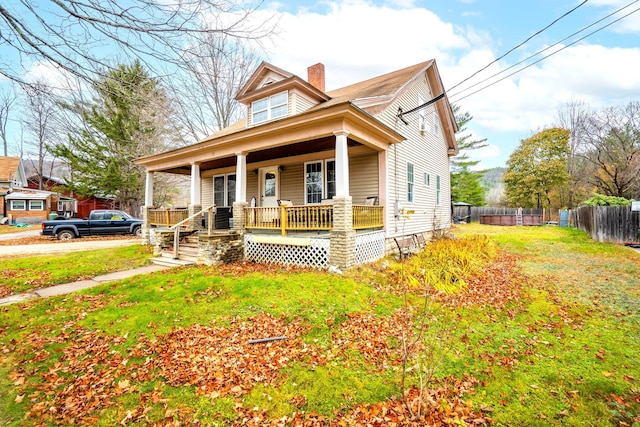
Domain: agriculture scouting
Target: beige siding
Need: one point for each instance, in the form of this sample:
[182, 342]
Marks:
[428, 154]
[363, 177]
[299, 103]
[292, 183]
[206, 191]
[252, 186]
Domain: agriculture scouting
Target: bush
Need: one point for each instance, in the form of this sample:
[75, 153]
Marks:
[602, 200]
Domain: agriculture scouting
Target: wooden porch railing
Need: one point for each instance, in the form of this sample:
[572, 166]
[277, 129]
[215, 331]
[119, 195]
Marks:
[167, 217]
[308, 218]
[176, 227]
[367, 217]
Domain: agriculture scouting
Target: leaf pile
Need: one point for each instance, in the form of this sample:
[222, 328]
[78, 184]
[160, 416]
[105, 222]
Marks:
[440, 406]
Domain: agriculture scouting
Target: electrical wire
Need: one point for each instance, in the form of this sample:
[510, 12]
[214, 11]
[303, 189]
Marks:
[541, 51]
[547, 56]
[520, 45]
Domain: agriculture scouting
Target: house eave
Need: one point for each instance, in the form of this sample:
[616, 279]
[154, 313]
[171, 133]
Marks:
[316, 123]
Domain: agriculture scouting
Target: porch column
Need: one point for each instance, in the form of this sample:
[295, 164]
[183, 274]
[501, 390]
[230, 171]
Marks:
[342, 243]
[342, 164]
[196, 201]
[241, 177]
[148, 205]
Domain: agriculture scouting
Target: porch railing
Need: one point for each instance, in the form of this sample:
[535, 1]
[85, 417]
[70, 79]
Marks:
[167, 217]
[176, 227]
[308, 218]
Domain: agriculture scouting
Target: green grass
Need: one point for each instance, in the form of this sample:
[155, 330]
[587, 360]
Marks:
[565, 352]
[23, 274]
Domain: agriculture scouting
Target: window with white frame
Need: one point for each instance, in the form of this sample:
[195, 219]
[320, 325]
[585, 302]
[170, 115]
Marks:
[320, 180]
[224, 190]
[436, 123]
[427, 179]
[410, 182]
[269, 108]
[18, 205]
[437, 190]
[422, 115]
[36, 205]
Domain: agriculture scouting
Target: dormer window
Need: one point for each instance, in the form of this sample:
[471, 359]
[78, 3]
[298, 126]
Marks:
[269, 108]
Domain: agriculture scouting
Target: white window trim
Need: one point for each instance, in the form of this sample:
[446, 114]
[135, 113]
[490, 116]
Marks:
[422, 115]
[269, 108]
[42, 206]
[438, 190]
[436, 123]
[411, 184]
[24, 205]
[323, 171]
[225, 189]
[427, 179]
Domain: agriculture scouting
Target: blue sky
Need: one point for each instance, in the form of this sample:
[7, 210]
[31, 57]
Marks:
[357, 39]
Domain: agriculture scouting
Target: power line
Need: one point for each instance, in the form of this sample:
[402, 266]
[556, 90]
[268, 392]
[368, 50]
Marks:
[519, 45]
[543, 50]
[551, 54]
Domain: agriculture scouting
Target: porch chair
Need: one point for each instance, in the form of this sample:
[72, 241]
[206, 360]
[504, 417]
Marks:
[371, 201]
[283, 202]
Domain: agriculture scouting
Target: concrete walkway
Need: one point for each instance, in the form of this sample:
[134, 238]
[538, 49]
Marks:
[75, 245]
[68, 288]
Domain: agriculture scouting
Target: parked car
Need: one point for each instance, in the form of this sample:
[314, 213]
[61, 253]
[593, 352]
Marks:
[100, 222]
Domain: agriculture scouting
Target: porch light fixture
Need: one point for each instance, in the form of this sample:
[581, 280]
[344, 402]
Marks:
[280, 168]
[255, 171]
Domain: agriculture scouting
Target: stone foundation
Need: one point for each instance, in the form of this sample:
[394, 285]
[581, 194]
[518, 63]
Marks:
[220, 248]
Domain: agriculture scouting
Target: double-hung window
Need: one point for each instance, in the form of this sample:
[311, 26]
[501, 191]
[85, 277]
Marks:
[224, 190]
[18, 205]
[269, 108]
[410, 182]
[437, 190]
[320, 180]
[436, 123]
[36, 205]
[422, 115]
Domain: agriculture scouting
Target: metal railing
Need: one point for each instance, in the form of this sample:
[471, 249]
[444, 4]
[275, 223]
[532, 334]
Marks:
[176, 227]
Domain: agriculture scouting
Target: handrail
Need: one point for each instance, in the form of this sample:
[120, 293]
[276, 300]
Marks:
[176, 234]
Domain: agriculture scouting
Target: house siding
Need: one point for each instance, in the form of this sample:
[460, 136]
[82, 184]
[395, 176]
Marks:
[206, 191]
[299, 103]
[428, 154]
[363, 177]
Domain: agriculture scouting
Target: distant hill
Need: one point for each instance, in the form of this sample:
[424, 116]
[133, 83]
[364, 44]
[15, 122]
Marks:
[492, 183]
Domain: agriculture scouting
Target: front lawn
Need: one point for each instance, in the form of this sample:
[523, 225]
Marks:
[532, 326]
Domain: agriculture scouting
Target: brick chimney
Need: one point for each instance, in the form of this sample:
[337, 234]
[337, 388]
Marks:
[315, 75]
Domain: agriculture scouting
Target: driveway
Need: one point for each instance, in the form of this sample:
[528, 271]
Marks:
[29, 232]
[73, 246]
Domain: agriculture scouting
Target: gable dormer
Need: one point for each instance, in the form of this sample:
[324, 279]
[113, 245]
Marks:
[272, 93]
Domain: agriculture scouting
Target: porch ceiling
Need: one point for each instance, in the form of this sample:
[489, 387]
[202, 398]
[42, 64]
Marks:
[300, 148]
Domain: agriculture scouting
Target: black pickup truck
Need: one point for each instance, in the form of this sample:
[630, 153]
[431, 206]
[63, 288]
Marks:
[100, 222]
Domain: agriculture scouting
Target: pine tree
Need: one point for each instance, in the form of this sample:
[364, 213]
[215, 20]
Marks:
[465, 182]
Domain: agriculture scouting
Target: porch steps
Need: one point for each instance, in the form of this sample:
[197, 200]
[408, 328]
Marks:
[187, 254]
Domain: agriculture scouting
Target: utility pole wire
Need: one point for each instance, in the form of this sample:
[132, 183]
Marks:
[521, 44]
[543, 50]
[545, 57]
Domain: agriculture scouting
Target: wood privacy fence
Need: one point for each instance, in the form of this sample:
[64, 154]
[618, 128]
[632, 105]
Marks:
[615, 224]
[475, 212]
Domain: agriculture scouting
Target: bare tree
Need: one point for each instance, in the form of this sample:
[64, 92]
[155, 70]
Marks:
[205, 94]
[81, 36]
[40, 110]
[613, 137]
[575, 117]
[7, 104]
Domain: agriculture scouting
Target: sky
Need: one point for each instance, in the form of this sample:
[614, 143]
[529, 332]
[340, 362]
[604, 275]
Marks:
[359, 39]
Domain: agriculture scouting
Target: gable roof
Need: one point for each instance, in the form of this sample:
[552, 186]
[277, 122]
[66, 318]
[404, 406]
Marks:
[11, 168]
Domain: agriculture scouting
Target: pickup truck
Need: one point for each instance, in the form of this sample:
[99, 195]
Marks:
[100, 222]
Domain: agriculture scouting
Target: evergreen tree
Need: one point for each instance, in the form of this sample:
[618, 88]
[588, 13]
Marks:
[465, 183]
[127, 119]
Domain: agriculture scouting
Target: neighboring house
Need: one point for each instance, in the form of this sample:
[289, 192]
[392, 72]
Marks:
[69, 206]
[329, 178]
[24, 205]
[11, 175]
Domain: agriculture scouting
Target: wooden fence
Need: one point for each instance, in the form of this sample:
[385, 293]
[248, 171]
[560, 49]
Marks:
[615, 224]
[463, 212]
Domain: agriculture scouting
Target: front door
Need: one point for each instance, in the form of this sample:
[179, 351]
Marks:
[269, 183]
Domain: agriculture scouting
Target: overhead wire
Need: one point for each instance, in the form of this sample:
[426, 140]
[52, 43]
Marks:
[521, 44]
[544, 50]
[547, 56]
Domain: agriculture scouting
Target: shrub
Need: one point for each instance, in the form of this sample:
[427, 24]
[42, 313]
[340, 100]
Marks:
[602, 200]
